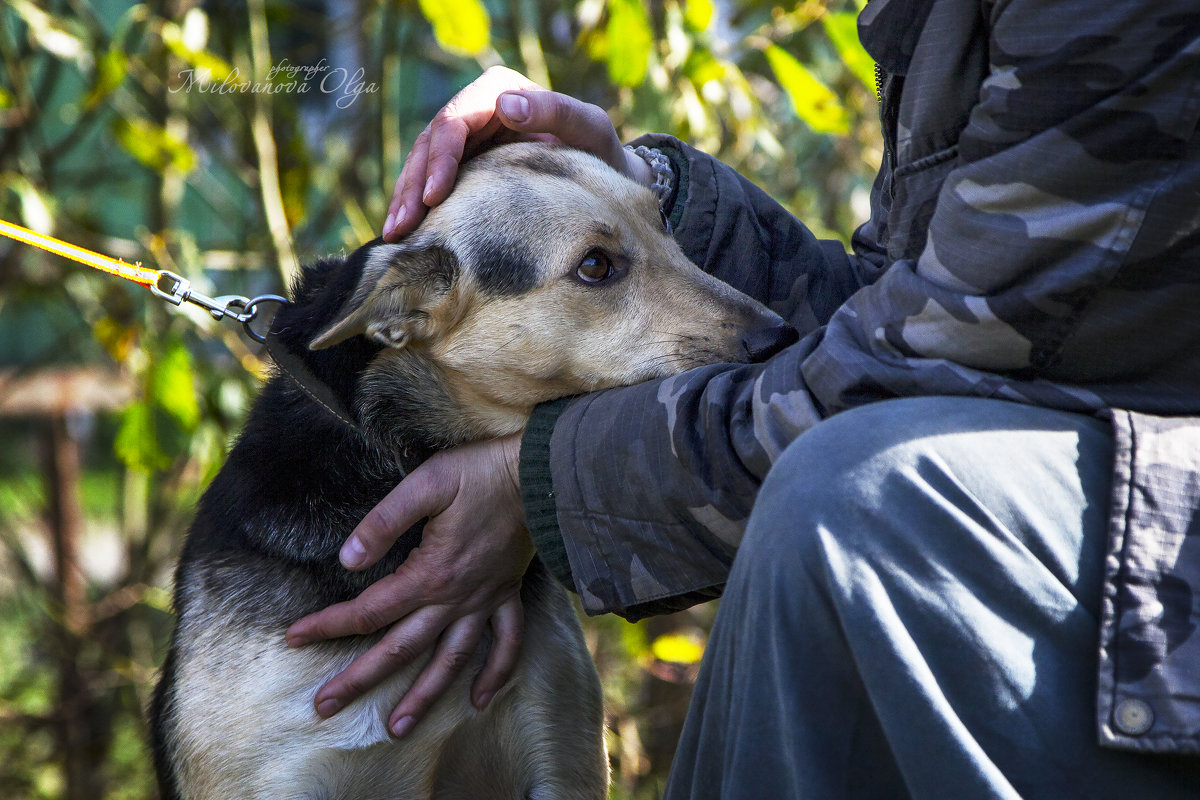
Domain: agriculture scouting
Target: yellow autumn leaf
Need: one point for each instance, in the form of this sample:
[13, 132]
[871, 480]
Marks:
[157, 598]
[110, 72]
[595, 44]
[208, 66]
[813, 101]
[460, 26]
[677, 648]
[117, 339]
[64, 37]
[698, 14]
[701, 67]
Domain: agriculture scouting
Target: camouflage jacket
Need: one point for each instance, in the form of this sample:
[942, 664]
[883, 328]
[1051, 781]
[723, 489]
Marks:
[1035, 236]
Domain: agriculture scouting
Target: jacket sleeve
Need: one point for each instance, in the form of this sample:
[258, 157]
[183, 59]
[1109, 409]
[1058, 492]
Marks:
[1060, 256]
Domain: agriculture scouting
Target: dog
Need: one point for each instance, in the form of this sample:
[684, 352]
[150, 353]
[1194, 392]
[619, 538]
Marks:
[545, 274]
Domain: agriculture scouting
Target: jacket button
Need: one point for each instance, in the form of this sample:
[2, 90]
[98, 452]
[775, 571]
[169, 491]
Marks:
[1133, 717]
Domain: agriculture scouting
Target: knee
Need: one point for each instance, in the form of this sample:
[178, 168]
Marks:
[846, 461]
[853, 480]
[833, 470]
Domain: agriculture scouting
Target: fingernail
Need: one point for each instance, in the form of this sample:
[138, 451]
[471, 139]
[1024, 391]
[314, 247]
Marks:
[428, 189]
[353, 553]
[388, 224]
[327, 708]
[400, 215]
[296, 641]
[403, 726]
[484, 699]
[515, 107]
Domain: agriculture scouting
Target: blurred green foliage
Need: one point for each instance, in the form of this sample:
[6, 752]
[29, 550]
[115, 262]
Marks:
[226, 141]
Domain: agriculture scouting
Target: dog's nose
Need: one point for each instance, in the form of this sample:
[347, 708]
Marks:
[763, 342]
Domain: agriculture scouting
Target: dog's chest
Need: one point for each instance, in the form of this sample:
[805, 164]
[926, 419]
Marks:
[246, 719]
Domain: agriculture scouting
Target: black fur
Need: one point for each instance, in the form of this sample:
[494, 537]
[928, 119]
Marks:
[505, 267]
[295, 484]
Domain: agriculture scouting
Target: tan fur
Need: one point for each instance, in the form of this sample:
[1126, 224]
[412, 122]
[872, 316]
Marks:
[482, 354]
[233, 679]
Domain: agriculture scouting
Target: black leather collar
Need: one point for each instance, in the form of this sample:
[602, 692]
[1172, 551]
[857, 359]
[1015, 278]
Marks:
[291, 365]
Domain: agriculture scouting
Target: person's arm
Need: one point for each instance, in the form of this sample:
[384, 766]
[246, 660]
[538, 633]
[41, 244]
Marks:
[732, 229]
[735, 231]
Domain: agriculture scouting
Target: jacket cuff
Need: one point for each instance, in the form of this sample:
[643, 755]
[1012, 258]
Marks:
[537, 491]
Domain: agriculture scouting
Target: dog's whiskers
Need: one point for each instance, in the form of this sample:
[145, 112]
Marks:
[666, 360]
[673, 337]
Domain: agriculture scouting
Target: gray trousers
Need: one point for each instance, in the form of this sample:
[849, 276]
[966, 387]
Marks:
[914, 613]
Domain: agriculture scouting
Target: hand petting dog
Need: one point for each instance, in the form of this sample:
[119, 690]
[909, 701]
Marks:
[467, 571]
[475, 549]
[499, 106]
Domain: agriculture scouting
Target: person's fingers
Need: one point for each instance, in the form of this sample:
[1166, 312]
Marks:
[447, 142]
[398, 648]
[424, 493]
[407, 207]
[470, 116]
[581, 125]
[498, 101]
[395, 203]
[406, 210]
[454, 651]
[508, 629]
[388, 599]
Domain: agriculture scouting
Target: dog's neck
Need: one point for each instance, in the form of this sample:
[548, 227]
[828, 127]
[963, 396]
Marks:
[398, 401]
[406, 402]
[295, 485]
[306, 478]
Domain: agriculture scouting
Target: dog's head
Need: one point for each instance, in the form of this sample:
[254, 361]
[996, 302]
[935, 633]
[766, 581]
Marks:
[544, 274]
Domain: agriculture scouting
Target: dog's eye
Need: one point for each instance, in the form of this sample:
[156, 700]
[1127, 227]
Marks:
[596, 267]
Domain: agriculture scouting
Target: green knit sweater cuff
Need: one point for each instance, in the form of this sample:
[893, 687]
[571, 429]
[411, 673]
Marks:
[537, 491]
[679, 163]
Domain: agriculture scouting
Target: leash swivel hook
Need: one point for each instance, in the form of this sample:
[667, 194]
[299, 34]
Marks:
[176, 290]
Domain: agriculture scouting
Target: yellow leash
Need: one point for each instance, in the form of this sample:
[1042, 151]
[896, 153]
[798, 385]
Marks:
[162, 283]
[177, 290]
[113, 266]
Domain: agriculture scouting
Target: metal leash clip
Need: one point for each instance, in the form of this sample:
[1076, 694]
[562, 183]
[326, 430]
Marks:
[241, 309]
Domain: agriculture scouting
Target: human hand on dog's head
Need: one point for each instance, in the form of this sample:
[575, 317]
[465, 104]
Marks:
[500, 105]
[465, 575]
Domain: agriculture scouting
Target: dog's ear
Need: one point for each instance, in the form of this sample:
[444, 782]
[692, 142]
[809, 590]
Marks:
[392, 304]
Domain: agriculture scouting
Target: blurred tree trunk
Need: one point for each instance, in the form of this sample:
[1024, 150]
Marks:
[52, 399]
[80, 728]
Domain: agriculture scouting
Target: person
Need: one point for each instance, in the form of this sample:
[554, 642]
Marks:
[957, 525]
